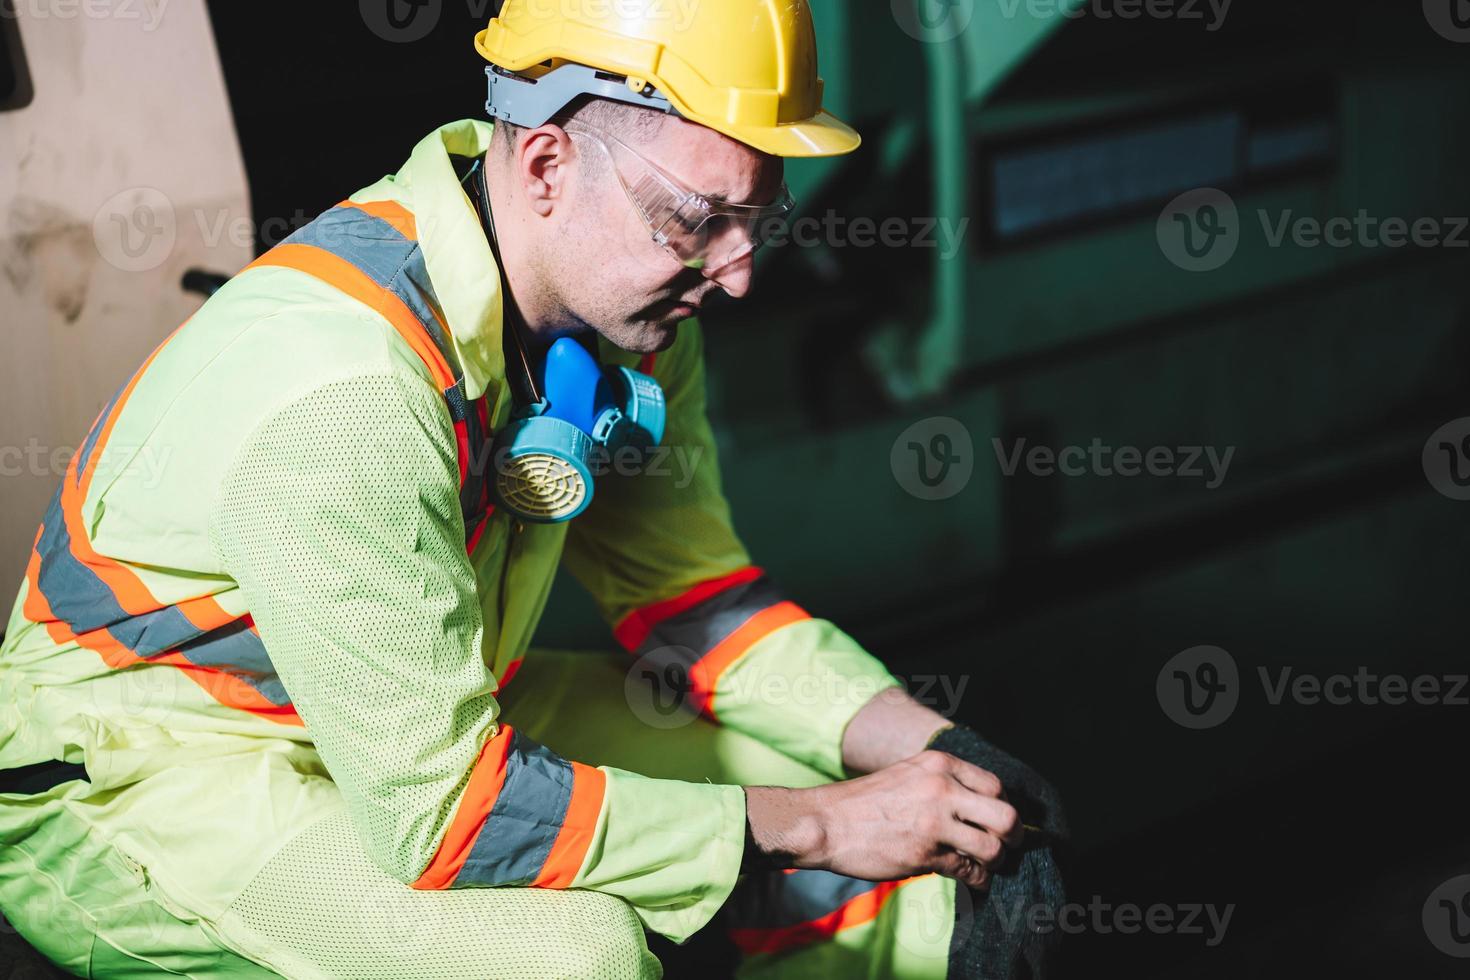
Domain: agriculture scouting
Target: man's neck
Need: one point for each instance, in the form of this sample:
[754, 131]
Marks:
[539, 314]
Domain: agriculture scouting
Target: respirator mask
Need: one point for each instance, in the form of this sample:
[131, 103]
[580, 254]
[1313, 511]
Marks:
[573, 418]
[579, 420]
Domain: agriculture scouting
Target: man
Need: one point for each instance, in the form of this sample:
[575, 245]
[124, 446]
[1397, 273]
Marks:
[268, 708]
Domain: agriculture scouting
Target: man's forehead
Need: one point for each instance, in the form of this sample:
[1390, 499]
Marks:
[716, 165]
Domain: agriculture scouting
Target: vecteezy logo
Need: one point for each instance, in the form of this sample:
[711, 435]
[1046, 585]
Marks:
[657, 688]
[135, 229]
[1199, 688]
[1447, 459]
[941, 448]
[933, 21]
[400, 21]
[933, 459]
[1449, 18]
[1446, 917]
[1207, 220]
[938, 915]
[1199, 230]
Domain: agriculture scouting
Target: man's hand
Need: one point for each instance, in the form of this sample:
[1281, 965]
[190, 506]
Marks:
[929, 813]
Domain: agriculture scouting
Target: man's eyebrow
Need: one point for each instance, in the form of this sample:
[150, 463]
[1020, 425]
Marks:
[746, 201]
[720, 196]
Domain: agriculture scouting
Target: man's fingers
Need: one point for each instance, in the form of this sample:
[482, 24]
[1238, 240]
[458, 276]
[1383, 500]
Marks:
[962, 867]
[979, 844]
[987, 813]
[975, 779]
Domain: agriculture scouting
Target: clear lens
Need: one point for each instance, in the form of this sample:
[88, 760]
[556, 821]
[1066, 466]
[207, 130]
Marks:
[696, 231]
[657, 201]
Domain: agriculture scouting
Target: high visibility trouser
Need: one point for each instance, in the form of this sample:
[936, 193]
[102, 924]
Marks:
[319, 908]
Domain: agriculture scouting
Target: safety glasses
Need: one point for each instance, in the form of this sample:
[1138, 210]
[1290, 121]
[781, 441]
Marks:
[698, 232]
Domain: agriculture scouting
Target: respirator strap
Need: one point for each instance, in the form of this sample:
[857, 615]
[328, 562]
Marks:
[520, 376]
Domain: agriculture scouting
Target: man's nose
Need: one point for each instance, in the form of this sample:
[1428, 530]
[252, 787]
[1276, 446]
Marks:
[735, 277]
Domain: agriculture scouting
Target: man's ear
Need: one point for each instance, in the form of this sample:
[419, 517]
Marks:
[543, 161]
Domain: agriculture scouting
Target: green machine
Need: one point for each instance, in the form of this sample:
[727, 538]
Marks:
[1191, 233]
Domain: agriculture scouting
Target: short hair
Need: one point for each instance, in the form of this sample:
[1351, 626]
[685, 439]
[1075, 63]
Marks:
[630, 123]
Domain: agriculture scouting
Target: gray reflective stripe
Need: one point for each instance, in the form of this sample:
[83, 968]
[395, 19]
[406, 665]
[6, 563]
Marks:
[155, 632]
[459, 408]
[513, 844]
[474, 502]
[85, 454]
[236, 650]
[75, 594]
[776, 900]
[394, 262]
[415, 273]
[85, 603]
[81, 600]
[675, 645]
[700, 628]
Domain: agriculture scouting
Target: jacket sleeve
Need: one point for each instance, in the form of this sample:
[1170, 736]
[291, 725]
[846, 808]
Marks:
[660, 556]
[339, 519]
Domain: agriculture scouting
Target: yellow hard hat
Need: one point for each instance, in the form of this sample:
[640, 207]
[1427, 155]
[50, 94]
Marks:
[746, 68]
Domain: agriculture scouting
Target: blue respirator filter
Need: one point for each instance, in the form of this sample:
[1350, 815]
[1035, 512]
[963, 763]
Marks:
[547, 456]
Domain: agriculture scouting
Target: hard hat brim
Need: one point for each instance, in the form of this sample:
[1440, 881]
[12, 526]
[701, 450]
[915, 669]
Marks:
[823, 135]
[745, 68]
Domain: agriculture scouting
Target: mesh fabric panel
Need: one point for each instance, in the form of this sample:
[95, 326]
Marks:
[321, 909]
[341, 521]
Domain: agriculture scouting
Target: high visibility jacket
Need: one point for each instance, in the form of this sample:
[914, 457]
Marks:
[277, 533]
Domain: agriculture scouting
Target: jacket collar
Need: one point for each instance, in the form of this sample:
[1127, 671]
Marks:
[461, 266]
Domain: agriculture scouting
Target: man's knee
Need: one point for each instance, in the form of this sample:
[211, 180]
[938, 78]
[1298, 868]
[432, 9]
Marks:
[601, 936]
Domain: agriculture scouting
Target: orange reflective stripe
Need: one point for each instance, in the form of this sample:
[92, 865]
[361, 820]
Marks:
[127, 588]
[38, 610]
[580, 823]
[392, 212]
[231, 691]
[487, 778]
[228, 690]
[131, 594]
[863, 908]
[205, 613]
[706, 671]
[35, 607]
[343, 275]
[512, 667]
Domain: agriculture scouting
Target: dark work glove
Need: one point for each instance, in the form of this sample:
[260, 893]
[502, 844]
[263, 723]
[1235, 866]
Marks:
[994, 937]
